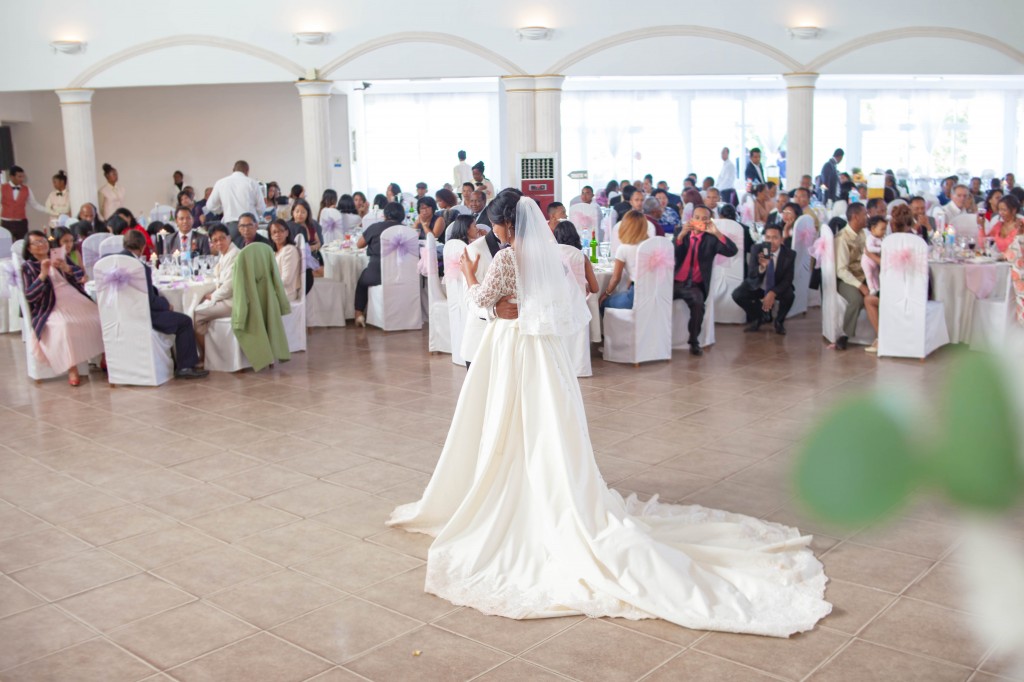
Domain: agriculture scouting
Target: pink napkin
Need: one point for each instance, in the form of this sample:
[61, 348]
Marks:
[981, 279]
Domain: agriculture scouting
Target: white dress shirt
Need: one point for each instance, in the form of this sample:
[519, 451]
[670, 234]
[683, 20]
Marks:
[952, 211]
[461, 174]
[234, 195]
[727, 176]
[58, 203]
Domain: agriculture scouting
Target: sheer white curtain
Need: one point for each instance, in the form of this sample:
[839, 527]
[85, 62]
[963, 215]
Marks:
[931, 133]
[415, 137]
[667, 133]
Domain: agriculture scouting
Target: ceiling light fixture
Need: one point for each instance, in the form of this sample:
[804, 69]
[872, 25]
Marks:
[311, 37]
[534, 32]
[804, 32]
[68, 46]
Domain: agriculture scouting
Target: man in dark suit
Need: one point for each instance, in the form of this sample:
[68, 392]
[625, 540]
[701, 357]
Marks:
[769, 279]
[164, 319]
[247, 233]
[830, 175]
[755, 171]
[185, 237]
[478, 207]
[696, 247]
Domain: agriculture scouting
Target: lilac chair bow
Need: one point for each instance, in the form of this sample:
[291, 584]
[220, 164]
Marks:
[406, 245]
[118, 278]
[659, 261]
[8, 279]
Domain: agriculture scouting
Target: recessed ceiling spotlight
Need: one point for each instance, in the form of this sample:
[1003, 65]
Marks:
[311, 37]
[534, 32]
[68, 46]
[804, 32]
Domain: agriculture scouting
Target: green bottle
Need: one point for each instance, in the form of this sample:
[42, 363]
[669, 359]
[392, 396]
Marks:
[593, 247]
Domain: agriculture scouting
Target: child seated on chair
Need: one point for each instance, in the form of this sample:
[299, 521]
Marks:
[871, 261]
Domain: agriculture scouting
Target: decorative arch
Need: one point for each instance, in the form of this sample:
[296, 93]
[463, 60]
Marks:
[915, 32]
[186, 41]
[448, 39]
[676, 31]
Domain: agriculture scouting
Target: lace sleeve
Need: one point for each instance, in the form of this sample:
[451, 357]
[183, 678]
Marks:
[499, 282]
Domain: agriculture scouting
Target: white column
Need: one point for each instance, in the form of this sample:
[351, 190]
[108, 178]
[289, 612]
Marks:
[548, 114]
[316, 136]
[79, 147]
[519, 136]
[800, 126]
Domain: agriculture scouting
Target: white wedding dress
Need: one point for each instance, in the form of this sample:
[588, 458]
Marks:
[525, 526]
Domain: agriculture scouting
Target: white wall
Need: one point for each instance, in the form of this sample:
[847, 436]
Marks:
[148, 133]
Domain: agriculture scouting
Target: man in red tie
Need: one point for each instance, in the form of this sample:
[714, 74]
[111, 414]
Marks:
[696, 247]
[15, 196]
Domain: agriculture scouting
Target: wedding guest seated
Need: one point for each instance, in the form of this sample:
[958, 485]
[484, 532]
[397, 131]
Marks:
[66, 329]
[464, 229]
[632, 200]
[876, 207]
[669, 215]
[1007, 226]
[247, 233]
[449, 204]
[959, 203]
[871, 259]
[696, 247]
[850, 280]
[428, 219]
[652, 211]
[902, 220]
[566, 233]
[164, 319]
[556, 214]
[771, 268]
[787, 221]
[712, 198]
[289, 260]
[302, 223]
[361, 204]
[185, 239]
[88, 213]
[64, 238]
[370, 240]
[131, 224]
[217, 304]
[762, 203]
[728, 212]
[619, 292]
[1015, 257]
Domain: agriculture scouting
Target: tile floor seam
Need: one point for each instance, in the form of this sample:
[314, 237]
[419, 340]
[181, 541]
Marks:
[918, 654]
[259, 631]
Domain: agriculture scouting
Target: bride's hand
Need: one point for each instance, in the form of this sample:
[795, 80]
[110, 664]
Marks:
[468, 265]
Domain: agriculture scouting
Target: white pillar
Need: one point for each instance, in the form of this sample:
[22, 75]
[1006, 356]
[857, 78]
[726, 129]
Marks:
[519, 136]
[316, 136]
[548, 114]
[79, 147]
[800, 126]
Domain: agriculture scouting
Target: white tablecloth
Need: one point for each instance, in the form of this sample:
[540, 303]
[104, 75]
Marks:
[184, 296]
[604, 275]
[949, 285]
[345, 266]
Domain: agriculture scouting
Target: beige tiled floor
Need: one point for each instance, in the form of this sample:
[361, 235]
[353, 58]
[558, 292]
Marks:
[233, 529]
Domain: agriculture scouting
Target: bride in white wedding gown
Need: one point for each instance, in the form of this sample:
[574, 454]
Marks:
[524, 524]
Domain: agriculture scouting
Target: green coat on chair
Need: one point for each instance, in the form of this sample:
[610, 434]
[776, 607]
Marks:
[259, 303]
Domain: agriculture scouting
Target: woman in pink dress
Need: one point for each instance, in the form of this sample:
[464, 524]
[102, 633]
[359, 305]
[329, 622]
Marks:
[1007, 226]
[65, 321]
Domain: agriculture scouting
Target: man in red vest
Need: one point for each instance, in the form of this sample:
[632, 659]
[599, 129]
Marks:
[14, 197]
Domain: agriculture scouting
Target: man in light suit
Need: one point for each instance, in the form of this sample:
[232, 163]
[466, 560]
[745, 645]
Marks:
[217, 304]
[770, 279]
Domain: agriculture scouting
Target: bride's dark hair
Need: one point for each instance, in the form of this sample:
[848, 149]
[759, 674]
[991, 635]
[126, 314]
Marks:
[503, 208]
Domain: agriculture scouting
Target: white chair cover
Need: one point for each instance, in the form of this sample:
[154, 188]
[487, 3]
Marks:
[833, 306]
[113, 244]
[374, 215]
[394, 305]
[586, 217]
[687, 213]
[161, 212]
[803, 239]
[137, 355]
[839, 209]
[909, 325]
[455, 299]
[681, 323]
[930, 201]
[10, 310]
[578, 345]
[475, 322]
[223, 353]
[91, 251]
[992, 318]
[439, 339]
[325, 303]
[644, 332]
[966, 225]
[725, 277]
[5, 243]
[295, 321]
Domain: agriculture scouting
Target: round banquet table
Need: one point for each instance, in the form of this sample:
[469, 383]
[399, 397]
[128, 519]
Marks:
[603, 272]
[958, 285]
[345, 266]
